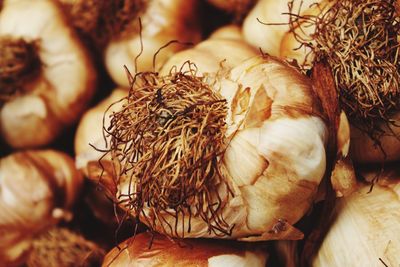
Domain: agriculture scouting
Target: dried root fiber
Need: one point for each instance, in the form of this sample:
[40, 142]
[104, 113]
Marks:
[64, 248]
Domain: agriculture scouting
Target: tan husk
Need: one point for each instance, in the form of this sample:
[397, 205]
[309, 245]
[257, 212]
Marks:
[63, 248]
[19, 63]
[339, 179]
[65, 80]
[340, 169]
[274, 131]
[102, 21]
[37, 189]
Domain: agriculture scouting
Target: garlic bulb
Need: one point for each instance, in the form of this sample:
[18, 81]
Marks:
[364, 229]
[89, 131]
[224, 48]
[163, 21]
[147, 250]
[46, 76]
[250, 172]
[36, 190]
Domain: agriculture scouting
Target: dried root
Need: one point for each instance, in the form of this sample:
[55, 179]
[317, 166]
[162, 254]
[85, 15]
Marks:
[19, 63]
[103, 20]
[167, 143]
[63, 248]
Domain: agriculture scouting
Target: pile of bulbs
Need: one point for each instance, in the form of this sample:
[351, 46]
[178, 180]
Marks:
[144, 133]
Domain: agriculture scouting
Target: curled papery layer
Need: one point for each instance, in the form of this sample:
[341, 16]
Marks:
[250, 173]
[51, 92]
[163, 21]
[37, 188]
[148, 250]
[363, 226]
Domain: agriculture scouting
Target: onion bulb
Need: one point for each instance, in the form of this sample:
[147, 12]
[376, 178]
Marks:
[147, 250]
[37, 190]
[46, 76]
[237, 156]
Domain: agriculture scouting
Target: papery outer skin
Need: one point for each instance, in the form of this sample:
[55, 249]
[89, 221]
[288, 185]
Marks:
[225, 48]
[67, 81]
[189, 252]
[90, 129]
[287, 147]
[364, 230]
[35, 186]
[163, 21]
